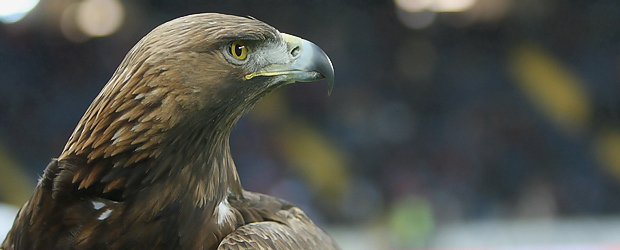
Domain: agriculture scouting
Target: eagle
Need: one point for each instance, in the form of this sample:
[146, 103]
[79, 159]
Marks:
[149, 164]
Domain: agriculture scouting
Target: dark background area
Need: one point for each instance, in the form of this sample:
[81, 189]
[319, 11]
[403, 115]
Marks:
[506, 109]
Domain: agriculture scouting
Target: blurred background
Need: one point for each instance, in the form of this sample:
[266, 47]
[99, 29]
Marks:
[487, 124]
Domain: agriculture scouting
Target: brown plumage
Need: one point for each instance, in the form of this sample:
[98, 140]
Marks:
[149, 166]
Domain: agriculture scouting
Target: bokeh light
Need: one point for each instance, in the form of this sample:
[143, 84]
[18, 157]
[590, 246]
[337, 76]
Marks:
[411, 222]
[413, 5]
[552, 88]
[434, 5]
[419, 14]
[98, 18]
[452, 5]
[14, 10]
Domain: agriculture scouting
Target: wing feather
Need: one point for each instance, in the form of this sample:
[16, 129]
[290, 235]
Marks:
[289, 229]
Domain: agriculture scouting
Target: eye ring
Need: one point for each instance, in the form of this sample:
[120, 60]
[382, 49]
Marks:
[239, 50]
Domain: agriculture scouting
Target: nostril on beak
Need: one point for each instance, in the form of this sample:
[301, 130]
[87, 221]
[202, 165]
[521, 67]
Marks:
[295, 51]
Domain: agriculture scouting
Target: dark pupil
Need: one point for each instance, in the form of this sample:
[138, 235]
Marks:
[238, 49]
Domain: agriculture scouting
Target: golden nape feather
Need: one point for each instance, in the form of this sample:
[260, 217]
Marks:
[149, 166]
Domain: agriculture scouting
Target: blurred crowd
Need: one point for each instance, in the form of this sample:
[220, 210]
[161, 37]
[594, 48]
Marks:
[499, 109]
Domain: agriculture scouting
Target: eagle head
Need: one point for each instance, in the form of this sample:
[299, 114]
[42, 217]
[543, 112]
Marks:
[219, 61]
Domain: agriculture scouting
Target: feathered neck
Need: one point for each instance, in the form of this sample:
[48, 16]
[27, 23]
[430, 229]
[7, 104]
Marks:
[136, 137]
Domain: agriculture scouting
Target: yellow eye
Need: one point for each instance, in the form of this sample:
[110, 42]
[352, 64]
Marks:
[239, 50]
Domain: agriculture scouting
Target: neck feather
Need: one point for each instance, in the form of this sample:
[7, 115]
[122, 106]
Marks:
[111, 155]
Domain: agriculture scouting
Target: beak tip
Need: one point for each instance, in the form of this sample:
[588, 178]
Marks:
[328, 73]
[313, 64]
[321, 63]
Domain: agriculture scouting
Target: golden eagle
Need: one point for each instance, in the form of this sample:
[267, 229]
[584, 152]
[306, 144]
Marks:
[149, 165]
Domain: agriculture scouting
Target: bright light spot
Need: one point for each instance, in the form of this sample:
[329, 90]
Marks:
[14, 10]
[100, 17]
[434, 5]
[413, 5]
[419, 14]
[452, 5]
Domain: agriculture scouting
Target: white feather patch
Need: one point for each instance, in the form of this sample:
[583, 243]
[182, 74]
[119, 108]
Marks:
[223, 212]
[105, 214]
[98, 205]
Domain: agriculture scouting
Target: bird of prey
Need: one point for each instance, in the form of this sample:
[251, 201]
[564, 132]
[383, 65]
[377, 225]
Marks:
[149, 164]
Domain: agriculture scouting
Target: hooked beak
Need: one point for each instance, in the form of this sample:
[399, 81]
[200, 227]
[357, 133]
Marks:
[309, 63]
